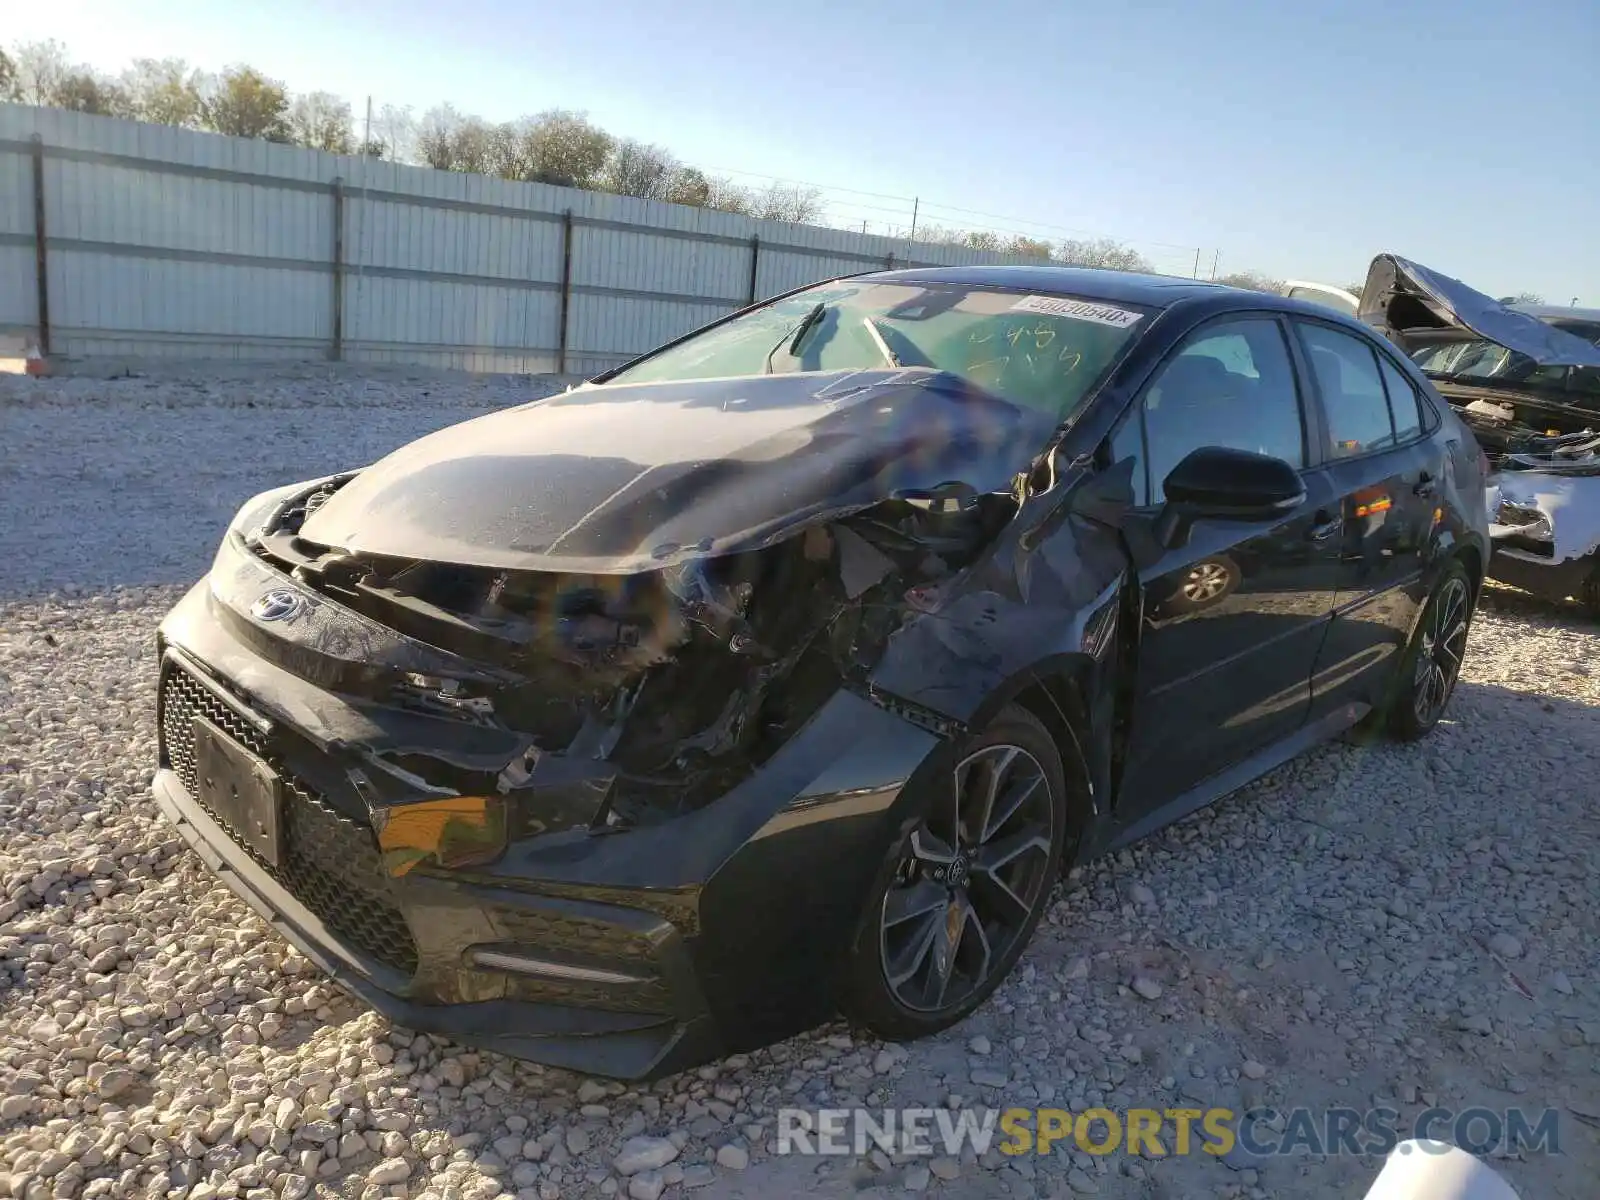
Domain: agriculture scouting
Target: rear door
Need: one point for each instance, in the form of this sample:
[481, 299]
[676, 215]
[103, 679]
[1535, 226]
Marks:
[1231, 621]
[1388, 475]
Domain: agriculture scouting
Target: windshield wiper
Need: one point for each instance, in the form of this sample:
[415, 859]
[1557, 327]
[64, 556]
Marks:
[799, 334]
[883, 347]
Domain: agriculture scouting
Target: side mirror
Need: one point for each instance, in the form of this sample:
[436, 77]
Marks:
[1226, 485]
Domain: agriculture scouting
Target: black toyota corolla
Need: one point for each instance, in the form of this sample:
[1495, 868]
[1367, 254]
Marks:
[780, 672]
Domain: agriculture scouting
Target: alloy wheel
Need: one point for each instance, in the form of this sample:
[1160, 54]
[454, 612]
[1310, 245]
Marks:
[1205, 581]
[974, 873]
[1444, 641]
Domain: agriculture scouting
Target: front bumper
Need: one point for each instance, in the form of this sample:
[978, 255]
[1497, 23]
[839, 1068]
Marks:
[629, 954]
[1543, 576]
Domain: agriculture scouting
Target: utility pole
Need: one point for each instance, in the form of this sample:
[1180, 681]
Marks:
[916, 203]
[1215, 259]
[1197, 262]
[366, 138]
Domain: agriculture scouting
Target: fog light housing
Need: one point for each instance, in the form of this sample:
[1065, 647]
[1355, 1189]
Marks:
[453, 832]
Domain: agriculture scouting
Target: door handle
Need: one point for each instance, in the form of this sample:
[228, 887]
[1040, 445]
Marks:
[1324, 526]
[1425, 486]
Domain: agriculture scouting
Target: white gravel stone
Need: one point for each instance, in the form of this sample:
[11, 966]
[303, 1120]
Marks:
[645, 1154]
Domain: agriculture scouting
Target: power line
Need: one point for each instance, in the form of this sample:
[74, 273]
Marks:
[928, 209]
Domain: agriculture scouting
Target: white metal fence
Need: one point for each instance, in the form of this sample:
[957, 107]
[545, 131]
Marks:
[119, 239]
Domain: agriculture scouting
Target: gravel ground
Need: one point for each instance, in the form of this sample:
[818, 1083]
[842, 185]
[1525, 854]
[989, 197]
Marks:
[1401, 926]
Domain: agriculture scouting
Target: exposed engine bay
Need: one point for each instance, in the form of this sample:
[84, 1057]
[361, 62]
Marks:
[682, 680]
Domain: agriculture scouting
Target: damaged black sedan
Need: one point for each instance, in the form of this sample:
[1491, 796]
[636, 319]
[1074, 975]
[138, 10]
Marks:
[782, 671]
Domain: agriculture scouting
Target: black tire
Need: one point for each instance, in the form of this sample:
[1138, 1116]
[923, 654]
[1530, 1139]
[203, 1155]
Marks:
[1428, 671]
[905, 902]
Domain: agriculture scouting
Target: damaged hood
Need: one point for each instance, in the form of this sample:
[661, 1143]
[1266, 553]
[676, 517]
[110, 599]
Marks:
[1401, 296]
[618, 479]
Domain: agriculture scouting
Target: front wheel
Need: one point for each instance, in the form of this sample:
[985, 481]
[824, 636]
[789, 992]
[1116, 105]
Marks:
[960, 897]
[1432, 663]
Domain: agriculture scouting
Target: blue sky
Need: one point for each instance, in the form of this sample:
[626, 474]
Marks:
[1297, 139]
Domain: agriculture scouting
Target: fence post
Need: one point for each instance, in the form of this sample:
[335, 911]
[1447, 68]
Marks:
[338, 269]
[40, 259]
[566, 289]
[755, 264]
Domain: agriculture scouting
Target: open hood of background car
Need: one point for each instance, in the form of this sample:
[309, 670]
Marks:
[623, 478]
[1401, 296]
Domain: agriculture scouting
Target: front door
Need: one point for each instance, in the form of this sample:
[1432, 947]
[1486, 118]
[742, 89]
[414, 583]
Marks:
[1233, 620]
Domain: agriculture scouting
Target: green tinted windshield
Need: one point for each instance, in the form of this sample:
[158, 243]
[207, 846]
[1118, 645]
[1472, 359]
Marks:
[1044, 352]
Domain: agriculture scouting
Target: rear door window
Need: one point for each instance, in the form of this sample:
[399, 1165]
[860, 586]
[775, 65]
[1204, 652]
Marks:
[1403, 401]
[1353, 395]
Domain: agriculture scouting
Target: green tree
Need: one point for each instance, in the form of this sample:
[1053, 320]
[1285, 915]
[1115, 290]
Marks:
[10, 89]
[1028, 247]
[566, 148]
[245, 103]
[81, 90]
[163, 91]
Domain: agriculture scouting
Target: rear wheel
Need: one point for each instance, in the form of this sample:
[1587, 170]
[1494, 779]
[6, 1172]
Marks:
[960, 897]
[1432, 663]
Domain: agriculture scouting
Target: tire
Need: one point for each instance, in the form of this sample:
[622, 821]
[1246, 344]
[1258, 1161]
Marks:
[1428, 672]
[932, 882]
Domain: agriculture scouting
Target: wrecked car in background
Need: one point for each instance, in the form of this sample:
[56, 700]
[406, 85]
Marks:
[1526, 379]
[781, 671]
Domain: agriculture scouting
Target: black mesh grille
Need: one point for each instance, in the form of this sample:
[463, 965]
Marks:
[329, 862]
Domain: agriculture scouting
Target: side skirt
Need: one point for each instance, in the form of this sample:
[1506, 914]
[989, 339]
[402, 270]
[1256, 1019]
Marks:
[1210, 790]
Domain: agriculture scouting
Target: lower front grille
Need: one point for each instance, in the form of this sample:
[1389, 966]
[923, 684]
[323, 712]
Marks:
[330, 863]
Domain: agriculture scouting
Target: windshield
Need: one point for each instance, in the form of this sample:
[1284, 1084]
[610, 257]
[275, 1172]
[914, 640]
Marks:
[1490, 361]
[1042, 352]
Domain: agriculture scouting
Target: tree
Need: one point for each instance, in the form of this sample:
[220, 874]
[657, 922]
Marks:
[788, 202]
[39, 69]
[724, 195]
[81, 90]
[321, 121]
[1103, 253]
[566, 148]
[10, 88]
[638, 169]
[448, 141]
[1251, 281]
[163, 92]
[688, 185]
[245, 103]
[1028, 247]
[393, 134]
[436, 134]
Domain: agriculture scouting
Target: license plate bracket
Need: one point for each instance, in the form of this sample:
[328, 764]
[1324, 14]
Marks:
[239, 787]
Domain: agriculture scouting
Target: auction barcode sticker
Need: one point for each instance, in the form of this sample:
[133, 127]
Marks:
[1081, 310]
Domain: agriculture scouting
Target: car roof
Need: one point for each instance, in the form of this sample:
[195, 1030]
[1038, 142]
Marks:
[1199, 296]
[1130, 287]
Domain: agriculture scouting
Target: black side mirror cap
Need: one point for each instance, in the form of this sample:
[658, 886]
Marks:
[1218, 483]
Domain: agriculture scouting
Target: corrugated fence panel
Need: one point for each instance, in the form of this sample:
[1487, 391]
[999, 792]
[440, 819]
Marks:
[166, 241]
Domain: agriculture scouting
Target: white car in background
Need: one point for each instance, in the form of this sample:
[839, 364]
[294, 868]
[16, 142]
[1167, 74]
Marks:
[1323, 293]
